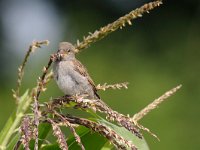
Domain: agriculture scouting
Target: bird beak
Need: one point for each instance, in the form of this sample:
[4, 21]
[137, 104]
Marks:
[59, 55]
[56, 57]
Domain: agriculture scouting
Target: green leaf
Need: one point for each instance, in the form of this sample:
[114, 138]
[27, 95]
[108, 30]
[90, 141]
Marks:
[14, 120]
[90, 140]
[44, 129]
[6, 128]
[107, 146]
[13, 142]
[139, 143]
[24, 103]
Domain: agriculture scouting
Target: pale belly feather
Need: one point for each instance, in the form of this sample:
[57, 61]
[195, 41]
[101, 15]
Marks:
[70, 81]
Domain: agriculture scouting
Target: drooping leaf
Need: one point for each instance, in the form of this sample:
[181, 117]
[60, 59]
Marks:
[139, 143]
[92, 140]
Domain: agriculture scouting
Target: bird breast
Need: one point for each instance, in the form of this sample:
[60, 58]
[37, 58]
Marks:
[69, 80]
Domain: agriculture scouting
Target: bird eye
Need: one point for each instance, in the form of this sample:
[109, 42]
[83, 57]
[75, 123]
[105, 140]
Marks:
[68, 50]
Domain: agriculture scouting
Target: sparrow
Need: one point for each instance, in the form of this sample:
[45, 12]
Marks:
[70, 75]
[73, 79]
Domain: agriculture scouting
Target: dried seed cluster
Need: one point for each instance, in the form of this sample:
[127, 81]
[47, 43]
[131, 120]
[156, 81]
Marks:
[120, 23]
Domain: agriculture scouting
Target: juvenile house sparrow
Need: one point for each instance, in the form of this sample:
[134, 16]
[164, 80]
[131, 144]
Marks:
[71, 76]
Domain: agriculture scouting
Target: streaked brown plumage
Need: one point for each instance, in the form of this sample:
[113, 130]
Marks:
[71, 76]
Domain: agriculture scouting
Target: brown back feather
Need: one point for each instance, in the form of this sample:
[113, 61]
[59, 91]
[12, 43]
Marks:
[83, 71]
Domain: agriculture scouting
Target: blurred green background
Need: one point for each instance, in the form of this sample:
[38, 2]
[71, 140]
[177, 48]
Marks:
[158, 52]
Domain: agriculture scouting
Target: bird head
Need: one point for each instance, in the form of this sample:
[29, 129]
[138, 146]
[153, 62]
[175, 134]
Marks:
[66, 51]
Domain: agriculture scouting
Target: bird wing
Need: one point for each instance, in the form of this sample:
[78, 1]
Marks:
[83, 71]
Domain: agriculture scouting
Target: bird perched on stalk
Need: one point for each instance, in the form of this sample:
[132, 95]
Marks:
[73, 79]
[71, 76]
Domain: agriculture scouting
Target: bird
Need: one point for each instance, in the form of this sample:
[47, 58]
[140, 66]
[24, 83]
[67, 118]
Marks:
[70, 74]
[73, 79]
